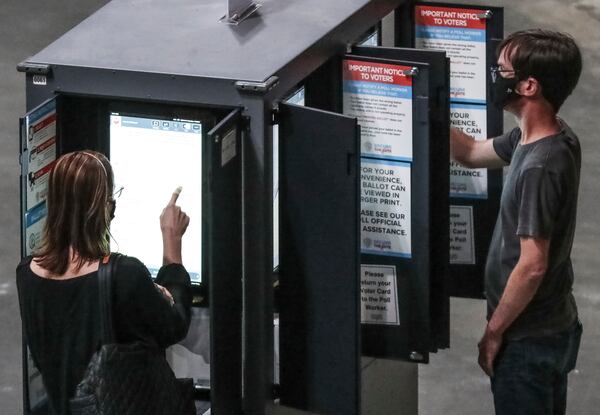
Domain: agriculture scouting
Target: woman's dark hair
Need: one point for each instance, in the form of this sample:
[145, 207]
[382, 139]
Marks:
[79, 211]
[552, 58]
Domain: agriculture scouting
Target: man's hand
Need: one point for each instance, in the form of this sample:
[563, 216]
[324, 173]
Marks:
[489, 346]
[522, 285]
[471, 153]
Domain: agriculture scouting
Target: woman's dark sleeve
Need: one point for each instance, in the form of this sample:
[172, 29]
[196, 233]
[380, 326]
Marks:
[143, 313]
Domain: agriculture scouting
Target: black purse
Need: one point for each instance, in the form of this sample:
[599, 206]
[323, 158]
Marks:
[128, 379]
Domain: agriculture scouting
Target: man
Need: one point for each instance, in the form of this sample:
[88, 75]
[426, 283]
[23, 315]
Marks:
[532, 336]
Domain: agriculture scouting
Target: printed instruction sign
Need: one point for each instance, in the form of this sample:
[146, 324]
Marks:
[41, 152]
[37, 185]
[41, 125]
[462, 243]
[461, 33]
[385, 203]
[379, 295]
[379, 95]
[465, 182]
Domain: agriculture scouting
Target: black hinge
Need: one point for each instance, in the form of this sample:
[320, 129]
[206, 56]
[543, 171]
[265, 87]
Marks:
[34, 68]
[245, 124]
[275, 114]
[257, 87]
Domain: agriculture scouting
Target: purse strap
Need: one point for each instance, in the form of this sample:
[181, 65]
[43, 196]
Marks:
[106, 269]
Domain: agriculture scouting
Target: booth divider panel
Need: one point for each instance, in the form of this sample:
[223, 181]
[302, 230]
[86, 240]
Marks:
[395, 224]
[319, 282]
[439, 118]
[224, 219]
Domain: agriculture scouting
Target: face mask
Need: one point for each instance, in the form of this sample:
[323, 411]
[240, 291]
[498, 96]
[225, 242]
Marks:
[112, 208]
[503, 91]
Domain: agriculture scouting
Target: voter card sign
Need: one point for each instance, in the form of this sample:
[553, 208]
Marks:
[379, 95]
[462, 242]
[385, 203]
[379, 295]
[465, 182]
[461, 32]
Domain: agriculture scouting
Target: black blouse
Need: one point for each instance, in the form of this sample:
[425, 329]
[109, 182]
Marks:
[61, 318]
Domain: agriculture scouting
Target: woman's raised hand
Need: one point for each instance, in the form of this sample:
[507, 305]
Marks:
[173, 224]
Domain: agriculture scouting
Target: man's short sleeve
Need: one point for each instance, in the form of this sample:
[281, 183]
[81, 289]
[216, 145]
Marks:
[505, 144]
[539, 194]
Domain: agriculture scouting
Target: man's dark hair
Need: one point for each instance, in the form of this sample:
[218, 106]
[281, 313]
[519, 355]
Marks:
[553, 58]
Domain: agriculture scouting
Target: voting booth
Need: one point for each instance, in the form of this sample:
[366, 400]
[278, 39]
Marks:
[314, 164]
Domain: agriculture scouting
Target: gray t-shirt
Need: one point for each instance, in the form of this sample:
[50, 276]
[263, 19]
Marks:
[539, 199]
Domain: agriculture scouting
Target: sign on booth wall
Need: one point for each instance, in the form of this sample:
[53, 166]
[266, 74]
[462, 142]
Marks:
[379, 295]
[461, 32]
[462, 242]
[379, 95]
[465, 182]
[385, 202]
[34, 225]
[41, 156]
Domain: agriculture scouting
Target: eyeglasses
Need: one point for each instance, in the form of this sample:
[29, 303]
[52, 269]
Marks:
[117, 194]
[497, 70]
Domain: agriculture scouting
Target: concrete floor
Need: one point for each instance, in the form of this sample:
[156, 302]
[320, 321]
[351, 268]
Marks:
[452, 383]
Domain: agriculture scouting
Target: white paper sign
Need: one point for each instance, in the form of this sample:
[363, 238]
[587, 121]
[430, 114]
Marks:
[464, 182]
[462, 243]
[385, 202]
[379, 295]
[380, 96]
[228, 147]
[462, 34]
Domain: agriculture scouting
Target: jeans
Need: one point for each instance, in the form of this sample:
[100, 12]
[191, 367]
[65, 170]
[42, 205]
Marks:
[530, 374]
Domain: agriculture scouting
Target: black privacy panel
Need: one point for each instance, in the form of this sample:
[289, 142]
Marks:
[319, 264]
[224, 223]
[391, 100]
[439, 118]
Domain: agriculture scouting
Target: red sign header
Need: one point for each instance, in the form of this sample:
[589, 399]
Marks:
[376, 72]
[449, 17]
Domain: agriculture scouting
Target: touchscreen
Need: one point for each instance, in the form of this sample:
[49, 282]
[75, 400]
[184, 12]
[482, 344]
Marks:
[151, 157]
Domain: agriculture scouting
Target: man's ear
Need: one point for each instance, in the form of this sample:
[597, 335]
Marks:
[529, 87]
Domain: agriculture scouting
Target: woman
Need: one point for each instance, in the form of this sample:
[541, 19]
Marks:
[58, 286]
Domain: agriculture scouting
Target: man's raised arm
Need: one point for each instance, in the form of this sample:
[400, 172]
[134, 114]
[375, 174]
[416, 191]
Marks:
[471, 153]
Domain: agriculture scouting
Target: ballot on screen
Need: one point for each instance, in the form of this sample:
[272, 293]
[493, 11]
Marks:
[151, 157]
